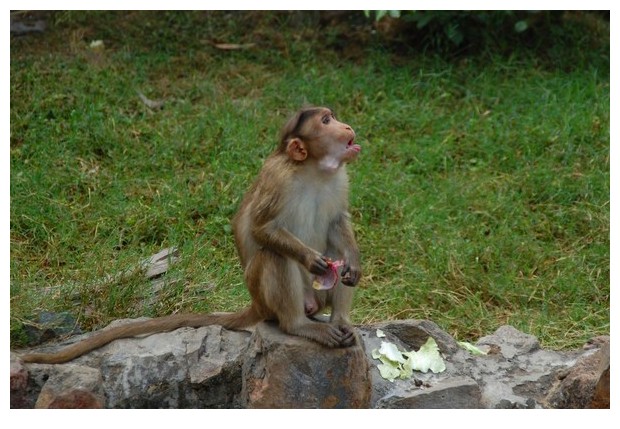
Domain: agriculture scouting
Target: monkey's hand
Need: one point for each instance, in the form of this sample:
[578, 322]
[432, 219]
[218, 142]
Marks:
[350, 274]
[316, 263]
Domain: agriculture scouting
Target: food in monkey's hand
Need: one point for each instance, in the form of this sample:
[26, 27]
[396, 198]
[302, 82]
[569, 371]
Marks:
[330, 278]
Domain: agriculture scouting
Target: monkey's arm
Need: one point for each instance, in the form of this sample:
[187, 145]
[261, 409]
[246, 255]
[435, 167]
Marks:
[274, 237]
[266, 216]
[341, 240]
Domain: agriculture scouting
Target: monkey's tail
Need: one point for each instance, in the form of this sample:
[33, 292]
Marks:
[238, 320]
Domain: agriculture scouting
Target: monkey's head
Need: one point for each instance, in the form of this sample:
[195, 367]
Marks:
[314, 134]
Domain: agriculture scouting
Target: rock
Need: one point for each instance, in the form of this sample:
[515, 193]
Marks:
[515, 373]
[71, 386]
[518, 374]
[510, 342]
[601, 391]
[212, 367]
[20, 28]
[414, 333]
[187, 368]
[55, 386]
[457, 392]
[50, 326]
[19, 385]
[382, 388]
[409, 335]
[585, 384]
[284, 371]
[76, 398]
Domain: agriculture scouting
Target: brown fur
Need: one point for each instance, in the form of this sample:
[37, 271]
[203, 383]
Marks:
[291, 221]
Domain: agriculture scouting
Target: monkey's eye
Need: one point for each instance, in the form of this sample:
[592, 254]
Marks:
[326, 119]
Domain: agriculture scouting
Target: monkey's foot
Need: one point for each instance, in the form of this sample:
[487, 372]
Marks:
[328, 334]
[349, 337]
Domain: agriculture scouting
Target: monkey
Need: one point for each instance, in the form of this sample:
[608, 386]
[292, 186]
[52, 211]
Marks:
[294, 220]
[291, 224]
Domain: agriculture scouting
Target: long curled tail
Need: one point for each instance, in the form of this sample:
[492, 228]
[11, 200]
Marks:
[238, 320]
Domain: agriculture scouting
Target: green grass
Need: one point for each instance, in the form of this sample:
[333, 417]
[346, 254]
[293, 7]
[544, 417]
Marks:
[481, 196]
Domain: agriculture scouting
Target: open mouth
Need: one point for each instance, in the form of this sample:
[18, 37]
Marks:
[352, 146]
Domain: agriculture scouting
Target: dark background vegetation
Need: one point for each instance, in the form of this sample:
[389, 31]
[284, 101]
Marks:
[481, 196]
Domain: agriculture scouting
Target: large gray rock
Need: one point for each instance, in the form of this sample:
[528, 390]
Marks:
[194, 368]
[515, 372]
[187, 368]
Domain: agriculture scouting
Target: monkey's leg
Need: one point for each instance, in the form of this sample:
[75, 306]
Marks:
[282, 289]
[341, 298]
[341, 301]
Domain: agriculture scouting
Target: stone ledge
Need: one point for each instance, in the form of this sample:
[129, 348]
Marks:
[211, 367]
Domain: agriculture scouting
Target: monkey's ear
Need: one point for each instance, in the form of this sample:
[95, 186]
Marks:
[296, 149]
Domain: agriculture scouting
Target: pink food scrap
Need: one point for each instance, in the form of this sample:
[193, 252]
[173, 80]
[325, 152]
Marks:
[330, 278]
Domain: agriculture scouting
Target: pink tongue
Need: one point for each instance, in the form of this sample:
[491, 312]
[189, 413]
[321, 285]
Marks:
[330, 278]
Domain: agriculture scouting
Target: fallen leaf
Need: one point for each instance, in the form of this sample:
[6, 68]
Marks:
[233, 46]
[151, 104]
[471, 348]
[97, 44]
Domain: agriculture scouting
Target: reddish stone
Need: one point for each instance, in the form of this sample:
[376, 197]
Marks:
[19, 385]
[285, 371]
[77, 398]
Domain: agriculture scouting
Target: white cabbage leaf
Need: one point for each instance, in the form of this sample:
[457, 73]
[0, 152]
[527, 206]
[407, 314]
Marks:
[398, 364]
[427, 358]
[390, 351]
[388, 372]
